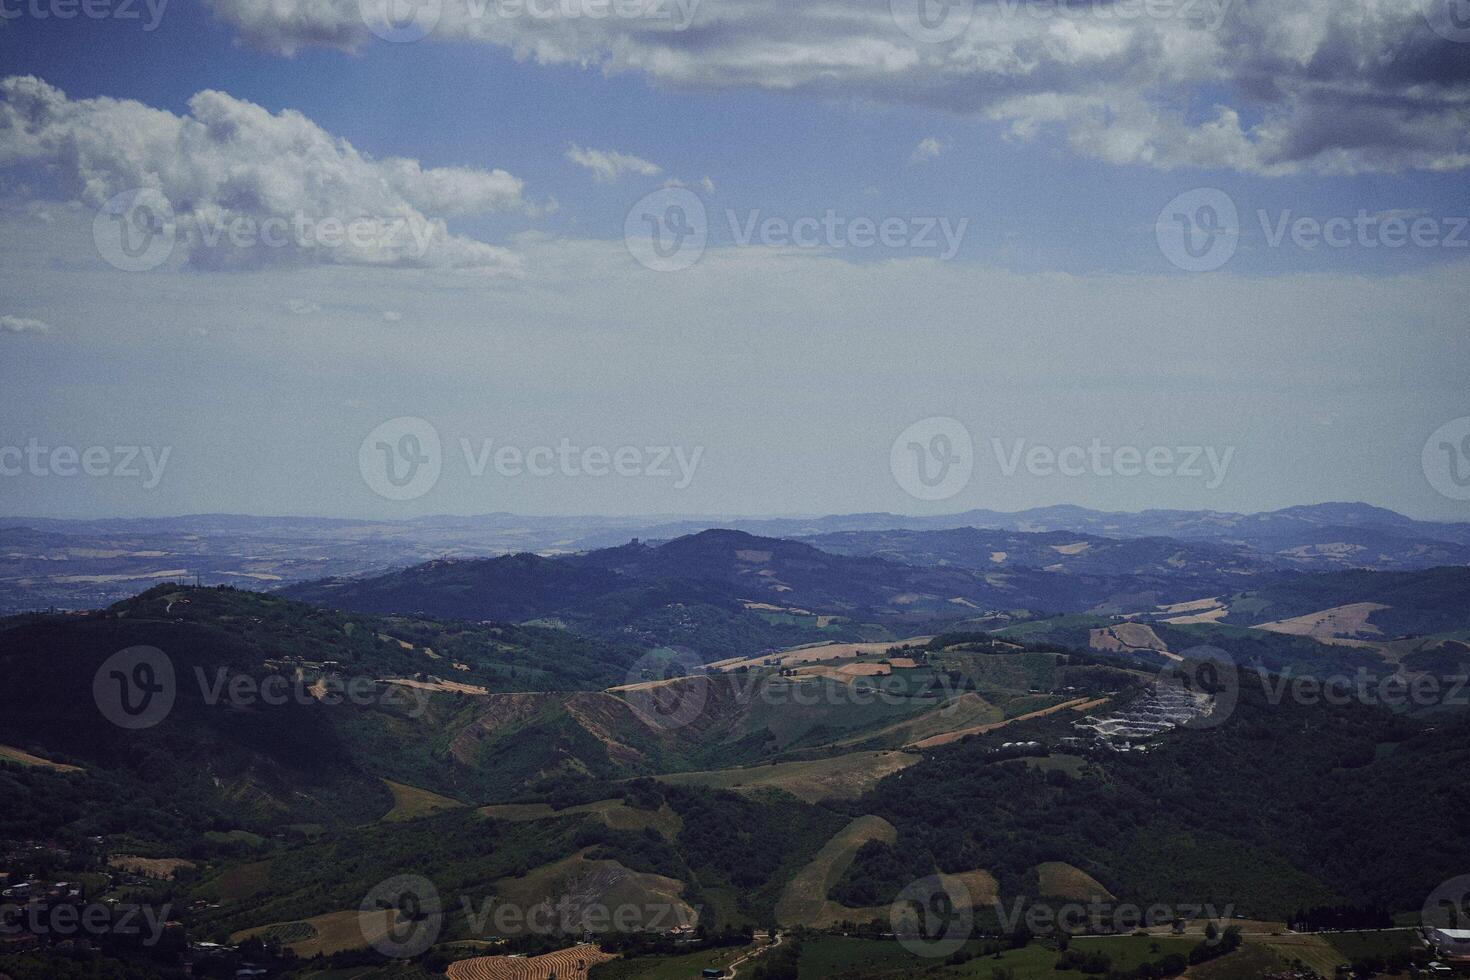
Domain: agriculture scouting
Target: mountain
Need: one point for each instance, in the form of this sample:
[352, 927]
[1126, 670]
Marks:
[1069, 552]
[725, 592]
[85, 564]
[292, 812]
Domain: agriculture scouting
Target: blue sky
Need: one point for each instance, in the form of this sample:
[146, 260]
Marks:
[1059, 318]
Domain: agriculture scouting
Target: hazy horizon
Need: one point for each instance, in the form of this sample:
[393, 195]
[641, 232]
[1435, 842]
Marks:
[771, 252]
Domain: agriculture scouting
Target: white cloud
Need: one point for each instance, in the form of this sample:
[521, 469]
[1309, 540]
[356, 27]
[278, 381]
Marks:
[928, 149]
[250, 188]
[608, 165]
[1327, 85]
[303, 307]
[392, 316]
[22, 324]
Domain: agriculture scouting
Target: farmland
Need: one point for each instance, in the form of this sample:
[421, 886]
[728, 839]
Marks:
[410, 802]
[843, 777]
[805, 900]
[566, 964]
[9, 753]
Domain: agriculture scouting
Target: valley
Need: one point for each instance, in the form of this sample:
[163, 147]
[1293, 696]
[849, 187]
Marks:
[725, 738]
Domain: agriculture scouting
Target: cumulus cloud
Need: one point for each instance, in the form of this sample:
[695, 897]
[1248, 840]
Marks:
[608, 165]
[1264, 86]
[247, 188]
[928, 149]
[23, 324]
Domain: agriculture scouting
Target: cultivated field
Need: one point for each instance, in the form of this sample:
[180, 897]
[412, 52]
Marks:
[565, 964]
[1315, 951]
[819, 652]
[682, 967]
[162, 868]
[844, 777]
[439, 686]
[410, 802]
[331, 933]
[947, 738]
[805, 903]
[966, 711]
[1129, 638]
[1337, 623]
[577, 891]
[1199, 611]
[238, 883]
[614, 813]
[11, 754]
[1060, 880]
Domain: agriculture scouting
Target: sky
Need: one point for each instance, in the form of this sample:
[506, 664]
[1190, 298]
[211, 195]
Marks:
[387, 258]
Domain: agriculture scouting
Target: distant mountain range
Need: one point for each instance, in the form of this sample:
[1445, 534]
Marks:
[88, 564]
[726, 593]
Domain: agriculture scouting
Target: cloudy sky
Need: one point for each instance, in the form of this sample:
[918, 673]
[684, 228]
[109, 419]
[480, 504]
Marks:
[399, 257]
